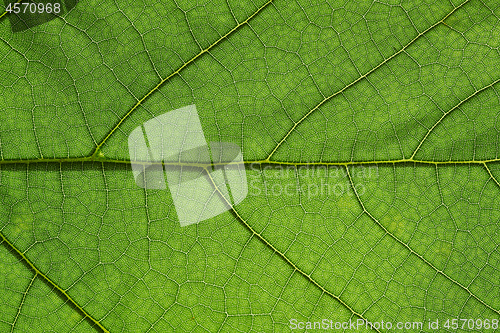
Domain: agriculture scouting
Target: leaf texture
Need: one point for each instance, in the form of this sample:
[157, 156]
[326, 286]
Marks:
[369, 130]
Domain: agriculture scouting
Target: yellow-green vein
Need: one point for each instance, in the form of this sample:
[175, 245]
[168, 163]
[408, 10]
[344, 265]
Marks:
[52, 283]
[281, 254]
[6, 12]
[360, 78]
[136, 105]
[411, 250]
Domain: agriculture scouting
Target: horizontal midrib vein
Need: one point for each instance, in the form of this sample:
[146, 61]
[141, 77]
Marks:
[95, 158]
[250, 162]
[261, 238]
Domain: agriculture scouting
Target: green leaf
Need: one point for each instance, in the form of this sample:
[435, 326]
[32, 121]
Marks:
[369, 130]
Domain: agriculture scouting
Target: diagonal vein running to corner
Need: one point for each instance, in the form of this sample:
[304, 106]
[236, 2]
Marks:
[361, 78]
[282, 255]
[413, 252]
[96, 151]
[37, 273]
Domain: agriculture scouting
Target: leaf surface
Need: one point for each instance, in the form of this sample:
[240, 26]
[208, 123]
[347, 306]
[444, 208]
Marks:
[370, 133]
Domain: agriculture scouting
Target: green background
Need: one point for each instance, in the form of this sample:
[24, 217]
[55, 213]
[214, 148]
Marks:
[409, 88]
